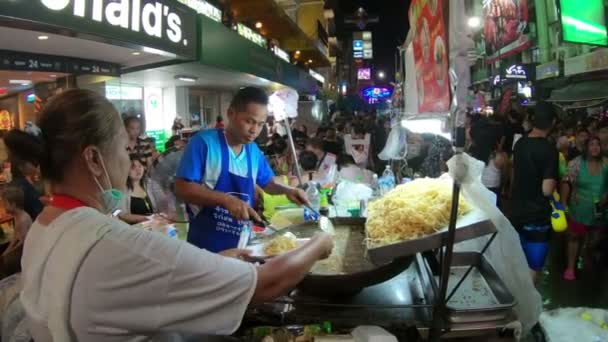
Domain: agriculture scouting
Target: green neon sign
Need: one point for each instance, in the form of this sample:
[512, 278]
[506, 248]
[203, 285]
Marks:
[584, 22]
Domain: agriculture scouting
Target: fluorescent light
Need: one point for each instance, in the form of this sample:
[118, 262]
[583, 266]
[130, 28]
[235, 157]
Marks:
[258, 25]
[474, 22]
[158, 52]
[21, 82]
[136, 53]
[52, 76]
[43, 37]
[182, 78]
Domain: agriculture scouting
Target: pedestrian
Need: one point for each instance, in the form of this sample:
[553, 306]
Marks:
[138, 145]
[14, 204]
[24, 155]
[577, 149]
[584, 190]
[219, 170]
[535, 174]
[325, 161]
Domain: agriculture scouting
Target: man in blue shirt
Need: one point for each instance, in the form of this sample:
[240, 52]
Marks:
[219, 170]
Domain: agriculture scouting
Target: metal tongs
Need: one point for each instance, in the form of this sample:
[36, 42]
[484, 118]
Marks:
[325, 225]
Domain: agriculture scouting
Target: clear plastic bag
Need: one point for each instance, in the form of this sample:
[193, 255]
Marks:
[505, 252]
[396, 144]
[347, 191]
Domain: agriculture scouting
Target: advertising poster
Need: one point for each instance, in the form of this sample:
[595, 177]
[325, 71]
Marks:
[430, 56]
[505, 22]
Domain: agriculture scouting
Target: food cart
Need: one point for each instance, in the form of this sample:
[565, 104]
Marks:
[415, 288]
[405, 287]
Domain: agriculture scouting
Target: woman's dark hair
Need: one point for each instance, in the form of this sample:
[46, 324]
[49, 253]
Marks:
[23, 148]
[141, 181]
[279, 146]
[585, 154]
[308, 161]
[14, 195]
[315, 143]
[345, 160]
[359, 130]
[171, 142]
[69, 122]
[219, 119]
[129, 119]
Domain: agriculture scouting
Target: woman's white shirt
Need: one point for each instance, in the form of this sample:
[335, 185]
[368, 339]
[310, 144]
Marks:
[136, 285]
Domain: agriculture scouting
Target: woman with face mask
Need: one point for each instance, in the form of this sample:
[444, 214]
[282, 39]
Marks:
[90, 277]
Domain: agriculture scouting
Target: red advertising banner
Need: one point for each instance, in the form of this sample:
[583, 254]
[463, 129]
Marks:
[430, 56]
[505, 22]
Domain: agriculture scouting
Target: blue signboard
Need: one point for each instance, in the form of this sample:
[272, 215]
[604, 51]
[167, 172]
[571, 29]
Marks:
[373, 95]
[357, 45]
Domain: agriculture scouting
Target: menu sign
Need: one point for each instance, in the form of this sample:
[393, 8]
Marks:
[430, 56]
[160, 24]
[10, 60]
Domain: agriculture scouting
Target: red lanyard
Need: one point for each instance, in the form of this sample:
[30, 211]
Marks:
[66, 202]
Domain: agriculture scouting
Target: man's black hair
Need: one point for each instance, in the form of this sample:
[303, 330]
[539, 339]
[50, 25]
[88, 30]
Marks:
[544, 116]
[246, 96]
[308, 161]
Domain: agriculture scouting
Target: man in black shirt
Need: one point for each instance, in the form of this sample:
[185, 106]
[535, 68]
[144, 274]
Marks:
[535, 174]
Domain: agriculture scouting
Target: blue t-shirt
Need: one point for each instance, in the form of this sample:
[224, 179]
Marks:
[202, 163]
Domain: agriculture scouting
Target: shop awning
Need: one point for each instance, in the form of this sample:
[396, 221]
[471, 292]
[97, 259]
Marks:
[222, 48]
[581, 91]
[278, 25]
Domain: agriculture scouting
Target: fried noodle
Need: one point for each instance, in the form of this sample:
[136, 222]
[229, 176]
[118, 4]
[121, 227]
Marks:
[412, 210]
[279, 245]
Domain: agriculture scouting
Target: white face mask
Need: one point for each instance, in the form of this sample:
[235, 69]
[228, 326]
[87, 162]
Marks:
[413, 150]
[111, 198]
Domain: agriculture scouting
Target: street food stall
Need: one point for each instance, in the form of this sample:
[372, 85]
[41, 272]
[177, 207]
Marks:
[400, 279]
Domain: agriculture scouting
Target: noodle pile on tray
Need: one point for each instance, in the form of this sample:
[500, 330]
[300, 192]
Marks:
[279, 245]
[412, 210]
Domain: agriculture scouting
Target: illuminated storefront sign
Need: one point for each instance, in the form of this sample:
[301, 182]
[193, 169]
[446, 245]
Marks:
[123, 93]
[316, 76]
[251, 35]
[375, 95]
[516, 72]
[364, 74]
[281, 54]
[357, 45]
[204, 8]
[163, 25]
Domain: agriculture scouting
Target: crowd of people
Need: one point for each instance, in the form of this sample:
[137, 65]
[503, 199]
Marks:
[534, 158]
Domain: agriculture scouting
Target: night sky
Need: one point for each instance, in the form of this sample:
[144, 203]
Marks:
[387, 34]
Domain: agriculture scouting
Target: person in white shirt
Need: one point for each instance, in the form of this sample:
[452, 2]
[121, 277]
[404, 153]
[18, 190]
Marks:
[357, 145]
[90, 277]
[325, 161]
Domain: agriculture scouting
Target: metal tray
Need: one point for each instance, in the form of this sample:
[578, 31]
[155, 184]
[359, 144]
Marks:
[482, 296]
[470, 226]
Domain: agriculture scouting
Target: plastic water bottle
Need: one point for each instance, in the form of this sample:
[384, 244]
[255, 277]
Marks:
[375, 186]
[314, 197]
[387, 182]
